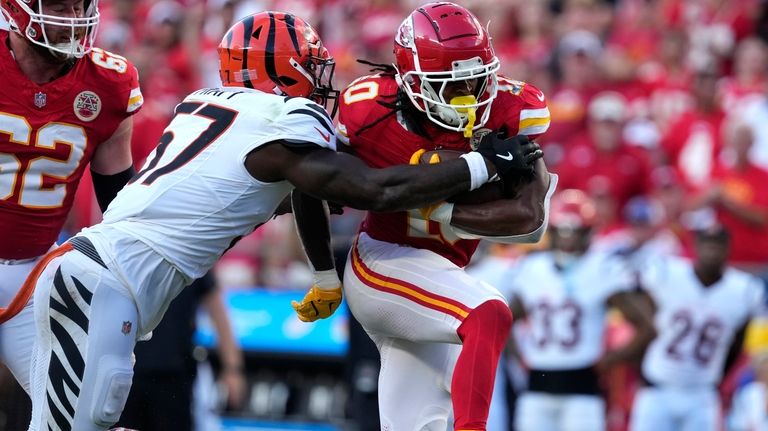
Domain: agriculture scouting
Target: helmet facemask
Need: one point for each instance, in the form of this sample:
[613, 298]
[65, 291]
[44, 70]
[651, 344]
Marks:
[322, 69]
[458, 114]
[82, 30]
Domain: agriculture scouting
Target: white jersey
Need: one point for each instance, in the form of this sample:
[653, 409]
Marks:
[695, 324]
[194, 197]
[565, 308]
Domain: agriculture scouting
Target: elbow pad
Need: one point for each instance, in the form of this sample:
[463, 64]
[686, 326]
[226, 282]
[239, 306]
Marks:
[526, 238]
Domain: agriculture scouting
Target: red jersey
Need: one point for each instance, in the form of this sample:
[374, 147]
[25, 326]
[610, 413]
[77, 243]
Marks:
[624, 172]
[519, 107]
[48, 135]
[693, 143]
[749, 243]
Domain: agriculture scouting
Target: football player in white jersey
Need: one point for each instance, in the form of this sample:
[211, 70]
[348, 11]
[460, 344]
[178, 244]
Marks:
[560, 298]
[227, 159]
[701, 311]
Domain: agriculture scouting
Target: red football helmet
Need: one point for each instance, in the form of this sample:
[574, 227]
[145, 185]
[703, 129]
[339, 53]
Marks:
[571, 209]
[278, 53]
[443, 43]
[27, 18]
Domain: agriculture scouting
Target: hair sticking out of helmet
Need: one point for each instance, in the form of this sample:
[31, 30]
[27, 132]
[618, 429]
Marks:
[279, 53]
[69, 35]
[446, 66]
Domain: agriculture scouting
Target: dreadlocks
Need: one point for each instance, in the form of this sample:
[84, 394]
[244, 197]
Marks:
[399, 102]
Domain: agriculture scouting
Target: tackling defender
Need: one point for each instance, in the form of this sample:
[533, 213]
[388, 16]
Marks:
[63, 104]
[226, 160]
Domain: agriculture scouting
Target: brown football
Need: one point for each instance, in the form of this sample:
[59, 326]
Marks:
[488, 192]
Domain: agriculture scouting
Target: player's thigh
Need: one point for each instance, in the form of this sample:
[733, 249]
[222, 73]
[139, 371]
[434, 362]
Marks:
[651, 411]
[703, 412]
[414, 384]
[583, 413]
[537, 412]
[410, 293]
[17, 335]
[86, 330]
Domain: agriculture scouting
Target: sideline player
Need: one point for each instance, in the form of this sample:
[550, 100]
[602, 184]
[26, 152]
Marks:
[63, 104]
[562, 296]
[439, 331]
[226, 160]
[701, 312]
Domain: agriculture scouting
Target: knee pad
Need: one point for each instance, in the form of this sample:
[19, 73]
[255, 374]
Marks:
[113, 384]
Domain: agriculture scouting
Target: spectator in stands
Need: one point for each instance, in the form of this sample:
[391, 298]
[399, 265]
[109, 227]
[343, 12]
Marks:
[755, 114]
[746, 84]
[601, 153]
[692, 143]
[738, 194]
[666, 79]
[578, 76]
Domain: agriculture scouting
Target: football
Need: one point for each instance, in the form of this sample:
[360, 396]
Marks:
[488, 192]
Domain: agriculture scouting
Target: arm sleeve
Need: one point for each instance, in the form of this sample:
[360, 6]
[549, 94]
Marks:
[106, 187]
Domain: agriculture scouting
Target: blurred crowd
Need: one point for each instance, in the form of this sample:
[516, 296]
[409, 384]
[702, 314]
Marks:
[659, 111]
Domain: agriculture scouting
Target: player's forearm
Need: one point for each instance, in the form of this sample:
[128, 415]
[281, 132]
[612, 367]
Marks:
[312, 225]
[404, 187]
[518, 216]
[499, 218]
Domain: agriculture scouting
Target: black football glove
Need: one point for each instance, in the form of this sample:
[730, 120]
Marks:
[512, 156]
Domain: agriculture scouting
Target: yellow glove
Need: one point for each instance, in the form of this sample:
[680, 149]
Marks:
[317, 304]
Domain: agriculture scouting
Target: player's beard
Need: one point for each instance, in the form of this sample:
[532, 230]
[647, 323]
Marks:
[53, 58]
[57, 59]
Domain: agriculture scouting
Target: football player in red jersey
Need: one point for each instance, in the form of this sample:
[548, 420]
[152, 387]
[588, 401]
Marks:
[439, 331]
[63, 104]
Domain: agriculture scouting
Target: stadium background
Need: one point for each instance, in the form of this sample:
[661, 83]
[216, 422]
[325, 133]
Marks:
[652, 101]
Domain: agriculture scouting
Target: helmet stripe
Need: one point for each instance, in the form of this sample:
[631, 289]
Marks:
[290, 22]
[269, 52]
[248, 23]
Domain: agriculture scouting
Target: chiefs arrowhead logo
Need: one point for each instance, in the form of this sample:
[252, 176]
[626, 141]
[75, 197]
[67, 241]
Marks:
[87, 106]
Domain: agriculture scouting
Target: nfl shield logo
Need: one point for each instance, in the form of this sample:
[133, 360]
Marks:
[126, 327]
[40, 99]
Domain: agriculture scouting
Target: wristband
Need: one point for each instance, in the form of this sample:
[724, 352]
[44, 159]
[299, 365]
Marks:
[478, 172]
[326, 280]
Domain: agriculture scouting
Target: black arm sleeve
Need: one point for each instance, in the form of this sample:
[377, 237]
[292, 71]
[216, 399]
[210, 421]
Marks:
[107, 186]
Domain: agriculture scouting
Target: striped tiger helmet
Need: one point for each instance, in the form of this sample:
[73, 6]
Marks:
[278, 53]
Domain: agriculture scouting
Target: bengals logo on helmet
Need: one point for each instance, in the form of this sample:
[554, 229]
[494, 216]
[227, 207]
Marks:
[278, 53]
